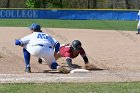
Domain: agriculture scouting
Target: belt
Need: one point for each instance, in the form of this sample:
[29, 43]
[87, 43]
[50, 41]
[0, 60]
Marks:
[43, 45]
[40, 45]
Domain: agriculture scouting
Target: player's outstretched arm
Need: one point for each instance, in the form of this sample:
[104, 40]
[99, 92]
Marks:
[85, 60]
[18, 42]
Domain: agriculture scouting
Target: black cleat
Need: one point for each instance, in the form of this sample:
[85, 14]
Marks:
[28, 70]
[137, 33]
[40, 61]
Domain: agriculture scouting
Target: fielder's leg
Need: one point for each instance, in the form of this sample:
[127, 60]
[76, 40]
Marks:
[61, 69]
[138, 27]
[27, 60]
[138, 31]
[54, 65]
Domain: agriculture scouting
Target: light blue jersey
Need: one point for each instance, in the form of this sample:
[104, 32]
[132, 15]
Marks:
[38, 38]
[138, 17]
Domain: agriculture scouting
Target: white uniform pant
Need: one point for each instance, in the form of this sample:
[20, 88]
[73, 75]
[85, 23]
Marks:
[45, 52]
[138, 25]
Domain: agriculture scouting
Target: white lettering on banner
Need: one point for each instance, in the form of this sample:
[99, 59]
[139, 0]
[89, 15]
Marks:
[23, 13]
[35, 13]
[12, 14]
[2, 13]
[18, 13]
[7, 14]
[29, 13]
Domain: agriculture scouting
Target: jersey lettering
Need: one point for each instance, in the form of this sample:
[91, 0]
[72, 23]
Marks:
[42, 36]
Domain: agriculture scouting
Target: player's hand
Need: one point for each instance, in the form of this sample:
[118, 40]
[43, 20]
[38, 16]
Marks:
[17, 40]
[89, 66]
[57, 55]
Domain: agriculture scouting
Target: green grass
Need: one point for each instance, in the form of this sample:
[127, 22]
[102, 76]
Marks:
[83, 24]
[133, 87]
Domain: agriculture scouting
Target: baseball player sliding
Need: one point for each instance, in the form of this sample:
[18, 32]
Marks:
[40, 45]
[71, 51]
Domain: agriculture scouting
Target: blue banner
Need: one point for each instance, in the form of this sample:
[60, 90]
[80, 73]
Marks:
[68, 14]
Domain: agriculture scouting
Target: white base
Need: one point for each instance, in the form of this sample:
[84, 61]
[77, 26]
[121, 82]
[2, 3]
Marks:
[79, 71]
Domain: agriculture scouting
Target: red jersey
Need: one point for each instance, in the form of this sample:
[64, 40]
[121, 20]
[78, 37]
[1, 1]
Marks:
[66, 51]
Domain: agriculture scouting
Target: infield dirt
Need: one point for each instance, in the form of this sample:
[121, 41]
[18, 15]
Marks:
[116, 53]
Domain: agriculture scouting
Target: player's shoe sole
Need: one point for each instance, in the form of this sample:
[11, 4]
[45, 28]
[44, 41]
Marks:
[62, 70]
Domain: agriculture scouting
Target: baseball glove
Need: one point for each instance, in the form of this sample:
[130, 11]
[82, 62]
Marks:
[63, 70]
[89, 66]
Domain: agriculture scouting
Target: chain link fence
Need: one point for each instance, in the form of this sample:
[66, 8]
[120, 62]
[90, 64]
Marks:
[12, 3]
[82, 4]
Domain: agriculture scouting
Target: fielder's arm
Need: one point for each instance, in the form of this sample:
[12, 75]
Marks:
[18, 42]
